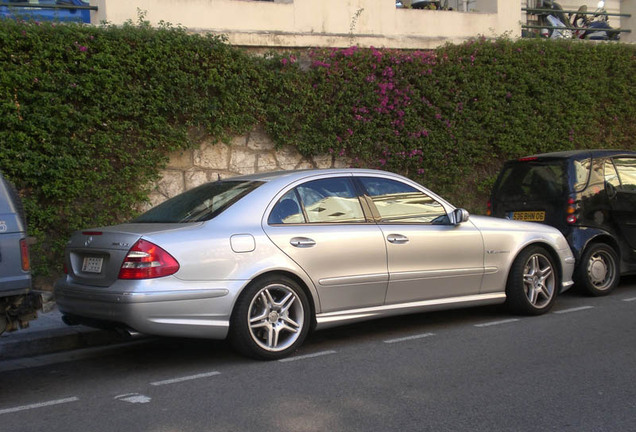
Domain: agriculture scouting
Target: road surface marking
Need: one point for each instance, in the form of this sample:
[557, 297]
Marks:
[408, 338]
[577, 309]
[494, 323]
[185, 378]
[133, 398]
[630, 299]
[39, 405]
[307, 356]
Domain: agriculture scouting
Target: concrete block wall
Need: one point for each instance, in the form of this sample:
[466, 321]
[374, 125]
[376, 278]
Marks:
[248, 154]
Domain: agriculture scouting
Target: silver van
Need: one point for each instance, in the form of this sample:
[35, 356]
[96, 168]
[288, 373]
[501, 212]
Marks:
[18, 305]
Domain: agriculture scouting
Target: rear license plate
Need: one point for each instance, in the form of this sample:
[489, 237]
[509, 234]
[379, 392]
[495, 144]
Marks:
[529, 216]
[92, 265]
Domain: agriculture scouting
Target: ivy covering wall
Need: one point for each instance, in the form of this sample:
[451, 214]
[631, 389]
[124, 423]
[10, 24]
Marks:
[88, 115]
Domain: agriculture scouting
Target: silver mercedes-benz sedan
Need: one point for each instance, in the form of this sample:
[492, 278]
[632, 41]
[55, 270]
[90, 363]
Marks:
[263, 259]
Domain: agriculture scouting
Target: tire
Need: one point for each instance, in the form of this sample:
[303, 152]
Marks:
[533, 282]
[598, 272]
[271, 319]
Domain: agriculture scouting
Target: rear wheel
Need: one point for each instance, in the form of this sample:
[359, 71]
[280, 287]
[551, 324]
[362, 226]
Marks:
[597, 272]
[271, 318]
[532, 283]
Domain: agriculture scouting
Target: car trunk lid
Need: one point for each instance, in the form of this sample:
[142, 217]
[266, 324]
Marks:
[94, 257]
[533, 191]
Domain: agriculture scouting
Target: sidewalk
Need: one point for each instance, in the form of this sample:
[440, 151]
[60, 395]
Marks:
[48, 334]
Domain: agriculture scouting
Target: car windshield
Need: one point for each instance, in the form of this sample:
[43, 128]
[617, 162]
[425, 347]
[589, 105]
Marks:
[199, 204]
[534, 179]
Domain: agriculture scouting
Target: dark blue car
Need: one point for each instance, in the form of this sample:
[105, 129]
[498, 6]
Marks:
[590, 196]
[45, 10]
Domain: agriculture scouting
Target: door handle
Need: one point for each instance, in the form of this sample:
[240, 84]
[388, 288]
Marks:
[397, 239]
[302, 242]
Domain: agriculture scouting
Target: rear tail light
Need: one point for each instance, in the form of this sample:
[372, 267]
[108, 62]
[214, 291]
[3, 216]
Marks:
[571, 210]
[489, 209]
[24, 255]
[146, 260]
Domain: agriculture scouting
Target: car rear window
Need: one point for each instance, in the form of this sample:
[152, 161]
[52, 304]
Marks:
[533, 179]
[199, 204]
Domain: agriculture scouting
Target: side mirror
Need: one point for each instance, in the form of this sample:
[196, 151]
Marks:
[460, 215]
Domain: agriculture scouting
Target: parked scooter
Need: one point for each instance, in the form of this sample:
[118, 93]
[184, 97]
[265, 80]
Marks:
[554, 18]
[597, 28]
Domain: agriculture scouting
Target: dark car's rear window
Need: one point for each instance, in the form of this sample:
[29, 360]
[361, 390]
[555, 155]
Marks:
[199, 204]
[532, 179]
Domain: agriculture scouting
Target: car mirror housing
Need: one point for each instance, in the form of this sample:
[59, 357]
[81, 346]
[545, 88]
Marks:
[460, 215]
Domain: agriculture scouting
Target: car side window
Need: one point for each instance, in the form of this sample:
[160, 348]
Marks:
[626, 168]
[331, 200]
[398, 202]
[287, 210]
[611, 176]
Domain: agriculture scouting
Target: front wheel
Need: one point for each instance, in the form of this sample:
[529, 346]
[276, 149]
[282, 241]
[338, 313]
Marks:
[271, 318]
[598, 272]
[533, 282]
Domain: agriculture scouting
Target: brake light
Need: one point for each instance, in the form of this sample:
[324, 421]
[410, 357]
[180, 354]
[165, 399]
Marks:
[146, 260]
[571, 211]
[24, 255]
[528, 159]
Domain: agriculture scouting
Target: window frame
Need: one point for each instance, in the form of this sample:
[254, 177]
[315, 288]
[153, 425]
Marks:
[367, 217]
[377, 217]
[621, 174]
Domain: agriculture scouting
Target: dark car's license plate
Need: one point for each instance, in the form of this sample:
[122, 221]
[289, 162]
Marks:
[529, 216]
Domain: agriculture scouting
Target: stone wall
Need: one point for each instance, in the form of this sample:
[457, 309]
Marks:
[248, 154]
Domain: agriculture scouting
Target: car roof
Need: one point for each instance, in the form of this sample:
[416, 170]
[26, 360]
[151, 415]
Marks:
[299, 174]
[580, 154]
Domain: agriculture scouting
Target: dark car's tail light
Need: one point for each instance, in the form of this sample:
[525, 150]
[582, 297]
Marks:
[24, 255]
[489, 209]
[571, 217]
[146, 260]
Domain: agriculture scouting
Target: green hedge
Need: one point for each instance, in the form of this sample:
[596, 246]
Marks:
[89, 114]
[449, 118]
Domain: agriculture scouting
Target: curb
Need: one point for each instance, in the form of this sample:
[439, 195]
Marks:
[44, 342]
[48, 334]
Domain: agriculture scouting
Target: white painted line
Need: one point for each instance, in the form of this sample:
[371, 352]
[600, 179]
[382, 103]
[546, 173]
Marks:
[494, 323]
[39, 405]
[630, 299]
[577, 309]
[408, 338]
[186, 378]
[307, 356]
[133, 398]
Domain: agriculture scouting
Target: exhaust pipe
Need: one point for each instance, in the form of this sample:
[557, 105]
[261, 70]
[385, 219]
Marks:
[128, 333]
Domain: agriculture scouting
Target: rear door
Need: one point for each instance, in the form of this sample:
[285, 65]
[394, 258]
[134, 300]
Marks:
[320, 224]
[14, 278]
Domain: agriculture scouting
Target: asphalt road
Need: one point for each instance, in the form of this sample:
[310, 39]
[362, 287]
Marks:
[478, 369]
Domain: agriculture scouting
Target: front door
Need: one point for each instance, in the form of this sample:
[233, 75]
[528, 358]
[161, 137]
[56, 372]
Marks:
[622, 197]
[428, 257]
